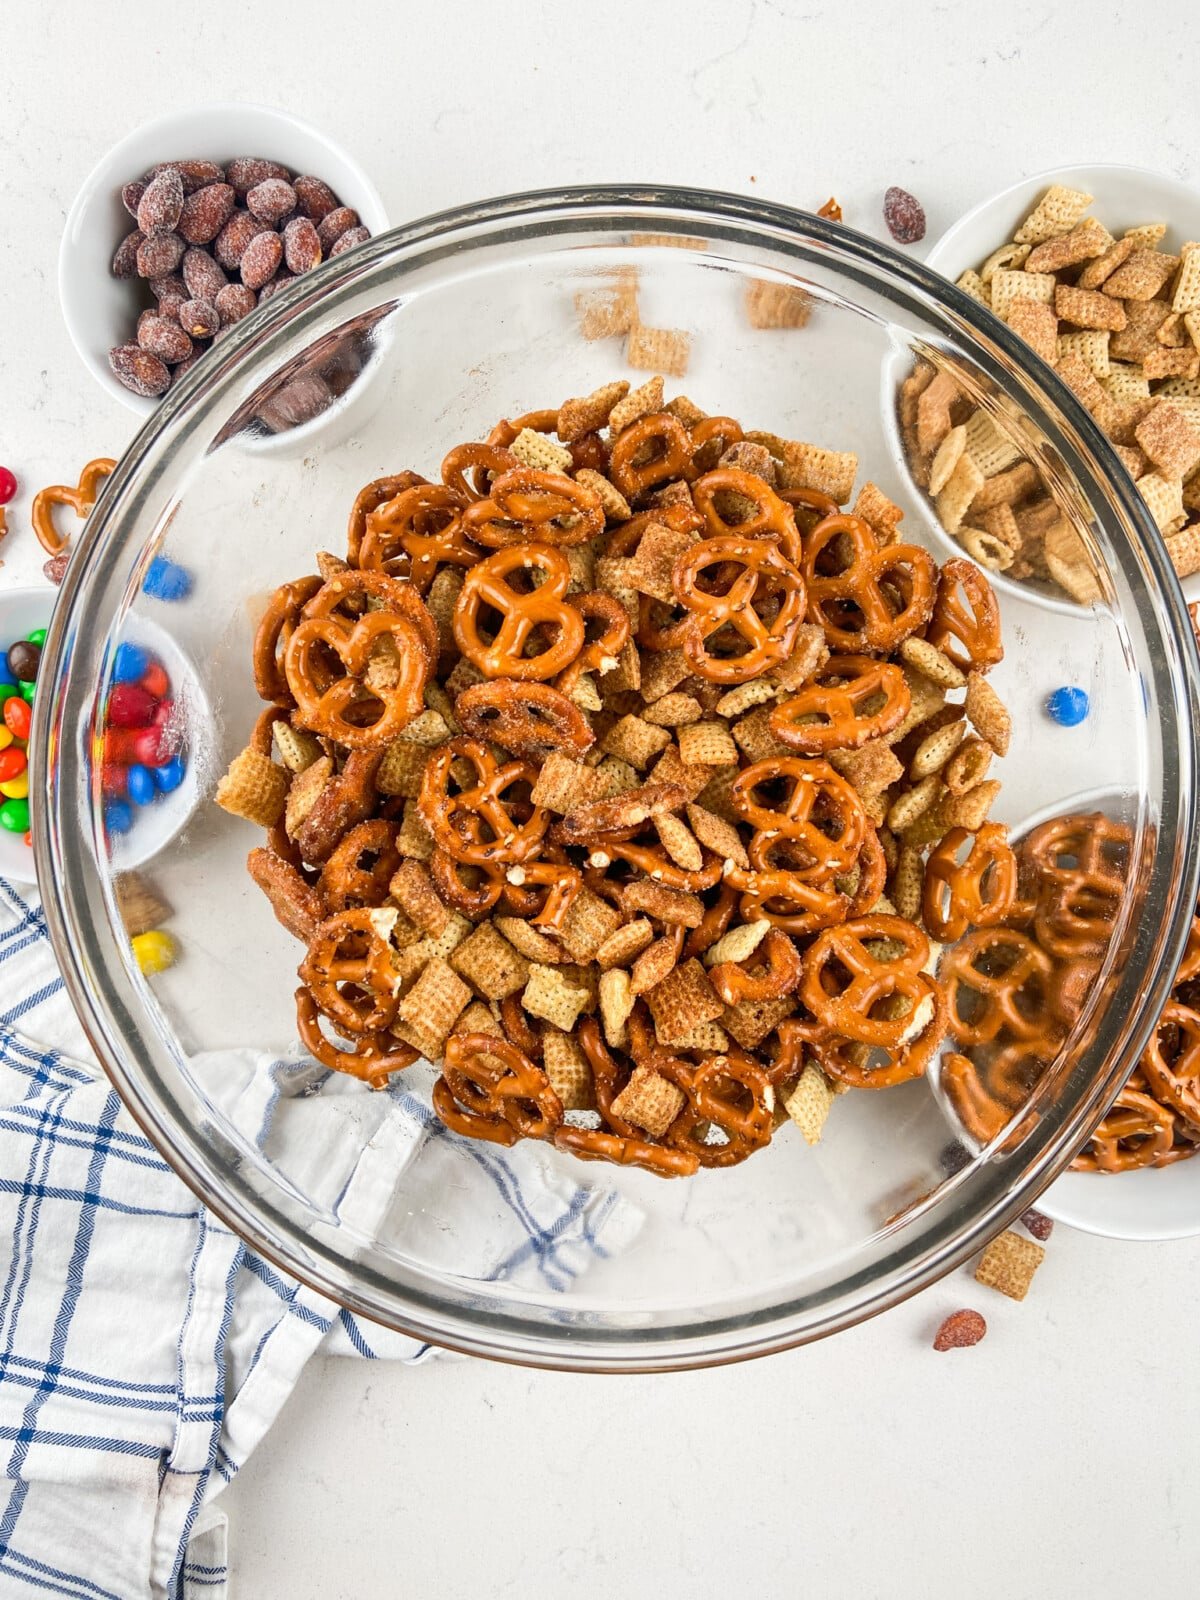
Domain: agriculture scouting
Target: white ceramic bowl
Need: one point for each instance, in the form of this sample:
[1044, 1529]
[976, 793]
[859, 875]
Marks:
[101, 311]
[155, 825]
[1161, 1203]
[21, 611]
[1124, 197]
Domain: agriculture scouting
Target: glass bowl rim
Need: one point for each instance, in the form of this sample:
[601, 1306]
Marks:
[731, 1337]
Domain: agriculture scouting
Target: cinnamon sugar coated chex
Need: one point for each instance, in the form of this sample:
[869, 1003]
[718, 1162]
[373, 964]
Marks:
[1009, 1263]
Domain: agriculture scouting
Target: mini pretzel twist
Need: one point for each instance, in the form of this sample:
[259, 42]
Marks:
[732, 1094]
[490, 1090]
[350, 705]
[481, 803]
[526, 719]
[349, 973]
[878, 597]
[601, 652]
[850, 701]
[81, 498]
[527, 505]
[747, 570]
[845, 983]
[772, 518]
[652, 450]
[521, 612]
[815, 799]
[271, 638]
[369, 499]
[996, 980]
[373, 1057]
[774, 970]
[1171, 1062]
[1136, 1132]
[977, 892]
[417, 533]
[966, 628]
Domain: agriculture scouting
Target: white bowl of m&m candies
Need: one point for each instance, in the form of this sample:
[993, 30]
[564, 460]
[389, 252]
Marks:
[24, 617]
[152, 712]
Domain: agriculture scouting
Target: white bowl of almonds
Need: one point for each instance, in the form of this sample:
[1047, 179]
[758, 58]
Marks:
[1098, 268]
[107, 282]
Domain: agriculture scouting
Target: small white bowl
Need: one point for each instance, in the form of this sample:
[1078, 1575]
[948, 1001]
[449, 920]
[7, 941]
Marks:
[155, 825]
[101, 311]
[21, 611]
[1150, 1203]
[1124, 197]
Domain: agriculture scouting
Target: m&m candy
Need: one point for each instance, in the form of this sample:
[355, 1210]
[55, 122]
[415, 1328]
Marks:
[118, 817]
[14, 816]
[1067, 706]
[12, 761]
[8, 485]
[17, 717]
[37, 636]
[130, 706]
[140, 785]
[166, 580]
[16, 788]
[170, 775]
[130, 663]
[154, 951]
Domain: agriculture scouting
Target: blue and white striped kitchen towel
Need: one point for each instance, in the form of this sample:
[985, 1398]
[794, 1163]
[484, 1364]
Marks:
[144, 1350]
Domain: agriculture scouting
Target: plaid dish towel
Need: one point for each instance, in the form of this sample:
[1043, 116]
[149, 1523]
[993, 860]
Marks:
[144, 1350]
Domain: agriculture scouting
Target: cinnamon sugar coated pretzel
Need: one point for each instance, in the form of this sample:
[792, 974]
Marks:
[576, 772]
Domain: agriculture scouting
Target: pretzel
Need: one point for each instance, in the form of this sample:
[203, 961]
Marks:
[543, 421]
[605, 1076]
[1171, 1062]
[517, 1028]
[416, 533]
[976, 893]
[81, 499]
[472, 889]
[298, 905]
[370, 499]
[373, 1057]
[349, 973]
[1136, 1132]
[732, 1094]
[651, 450]
[788, 901]
[765, 574]
[839, 694]
[487, 460]
[345, 883]
[490, 1090]
[852, 605]
[546, 892]
[711, 437]
[653, 860]
[598, 654]
[980, 1113]
[735, 981]
[1189, 967]
[521, 612]
[967, 630]
[349, 705]
[347, 799]
[810, 787]
[594, 1144]
[850, 1010]
[622, 816]
[527, 505]
[713, 924]
[1006, 977]
[1080, 865]
[481, 803]
[271, 637]
[772, 519]
[526, 719]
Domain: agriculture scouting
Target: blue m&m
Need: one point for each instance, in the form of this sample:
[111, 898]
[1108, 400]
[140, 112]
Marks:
[118, 817]
[140, 785]
[170, 775]
[166, 580]
[130, 663]
[1067, 706]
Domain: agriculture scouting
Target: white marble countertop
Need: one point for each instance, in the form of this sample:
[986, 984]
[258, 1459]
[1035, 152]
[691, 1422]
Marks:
[1059, 1457]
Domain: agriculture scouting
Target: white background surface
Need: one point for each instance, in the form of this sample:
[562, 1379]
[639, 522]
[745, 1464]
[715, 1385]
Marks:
[1061, 1457]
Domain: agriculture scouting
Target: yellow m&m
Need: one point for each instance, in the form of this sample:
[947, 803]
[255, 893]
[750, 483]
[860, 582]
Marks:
[154, 952]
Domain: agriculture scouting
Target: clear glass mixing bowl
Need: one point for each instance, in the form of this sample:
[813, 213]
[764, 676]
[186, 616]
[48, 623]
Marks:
[425, 337]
